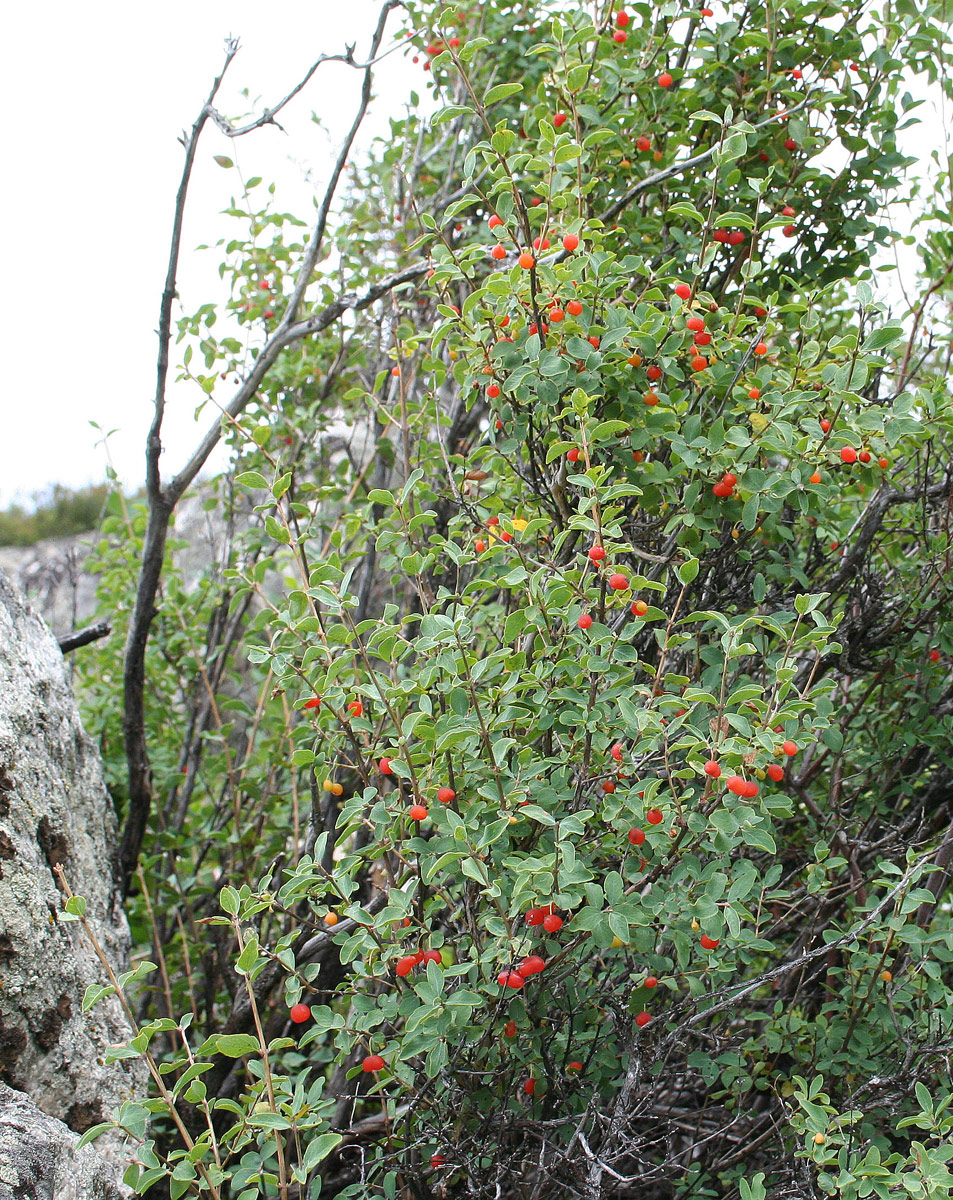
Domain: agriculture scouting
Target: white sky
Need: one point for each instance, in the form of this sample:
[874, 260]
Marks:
[95, 98]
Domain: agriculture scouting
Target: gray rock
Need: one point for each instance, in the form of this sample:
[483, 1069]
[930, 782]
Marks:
[54, 808]
[38, 1159]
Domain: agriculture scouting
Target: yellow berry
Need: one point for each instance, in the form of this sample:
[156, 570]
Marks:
[886, 976]
[819, 1139]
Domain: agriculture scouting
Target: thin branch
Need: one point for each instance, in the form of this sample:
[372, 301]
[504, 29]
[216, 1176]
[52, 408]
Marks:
[82, 637]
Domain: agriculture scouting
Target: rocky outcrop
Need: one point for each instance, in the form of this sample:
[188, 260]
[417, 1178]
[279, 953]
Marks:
[54, 809]
[38, 1159]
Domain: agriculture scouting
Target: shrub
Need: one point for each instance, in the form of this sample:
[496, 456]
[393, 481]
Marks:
[396, 777]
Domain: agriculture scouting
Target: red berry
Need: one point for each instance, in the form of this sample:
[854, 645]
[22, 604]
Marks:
[709, 943]
[535, 916]
[616, 751]
[597, 553]
[639, 608]
[622, 19]
[644, 143]
[556, 315]
[584, 621]
[755, 393]
[699, 363]
[300, 1013]
[654, 372]
[570, 242]
[650, 981]
[702, 339]
[735, 783]
[776, 772]
[608, 786]
[636, 836]
[552, 923]
[864, 456]
[797, 73]
[618, 582]
[314, 702]
[750, 789]
[373, 1062]
[712, 768]
[665, 80]
[574, 308]
[509, 1029]
[493, 391]
[437, 1160]
[494, 221]
[574, 1066]
[510, 979]
[761, 348]
[736, 237]
[532, 965]
[729, 478]
[433, 956]
[619, 36]
[848, 454]
[789, 748]
[825, 425]
[479, 545]
[526, 260]
[654, 816]
[417, 812]
[446, 794]
[405, 965]
[574, 454]
[790, 144]
[529, 1087]
[788, 211]
[934, 656]
[498, 252]
[541, 243]
[722, 489]
[695, 323]
[682, 290]
[790, 231]
[385, 767]
[643, 1019]
[720, 235]
[594, 343]
[560, 119]
[355, 708]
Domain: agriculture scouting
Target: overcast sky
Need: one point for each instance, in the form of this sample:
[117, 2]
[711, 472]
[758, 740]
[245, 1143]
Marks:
[96, 97]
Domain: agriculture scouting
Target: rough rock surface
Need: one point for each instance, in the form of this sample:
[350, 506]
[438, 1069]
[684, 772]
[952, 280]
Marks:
[54, 808]
[38, 1159]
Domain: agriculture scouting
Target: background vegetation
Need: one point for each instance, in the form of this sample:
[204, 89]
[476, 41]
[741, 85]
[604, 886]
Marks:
[565, 718]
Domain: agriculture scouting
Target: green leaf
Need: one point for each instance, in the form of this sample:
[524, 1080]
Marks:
[233, 1045]
[502, 91]
[253, 480]
[319, 1148]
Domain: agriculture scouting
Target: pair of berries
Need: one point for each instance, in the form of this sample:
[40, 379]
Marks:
[725, 487]
[742, 787]
[406, 964]
[516, 977]
[546, 917]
